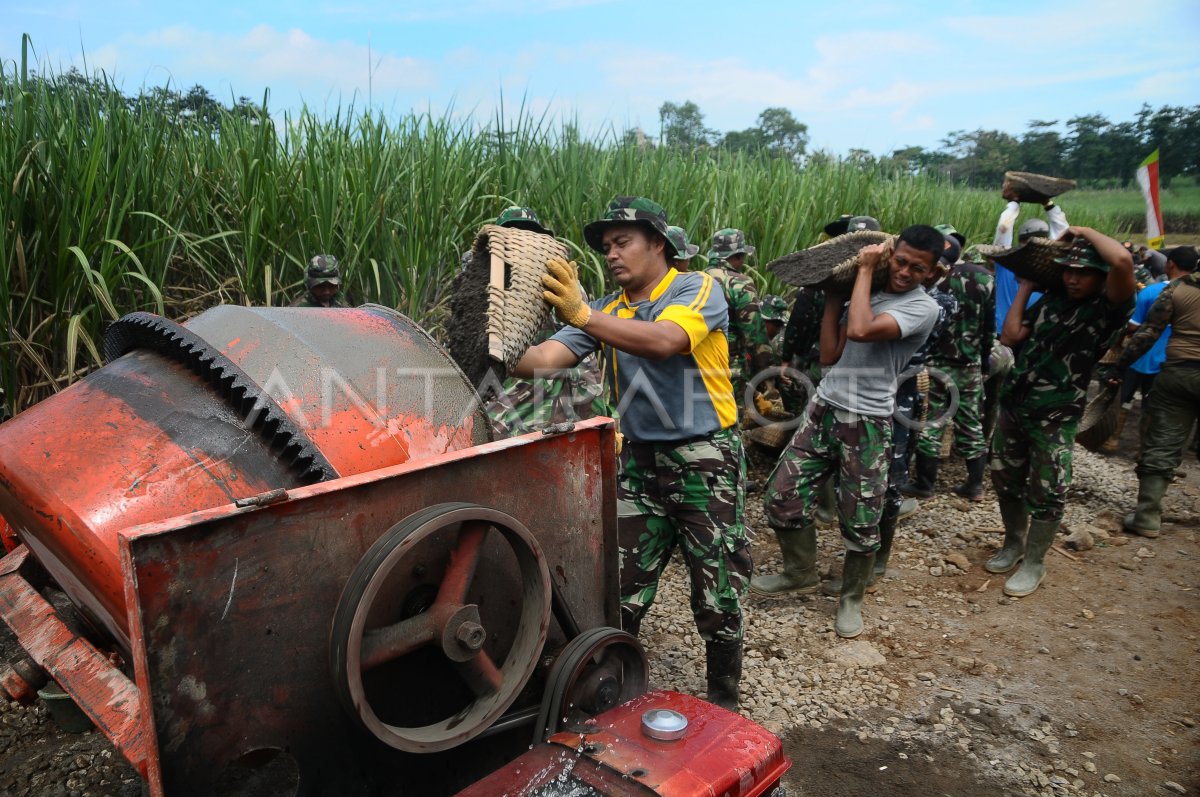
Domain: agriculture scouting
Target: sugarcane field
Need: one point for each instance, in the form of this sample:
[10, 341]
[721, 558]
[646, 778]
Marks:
[436, 399]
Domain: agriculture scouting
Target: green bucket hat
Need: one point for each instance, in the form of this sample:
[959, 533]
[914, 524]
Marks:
[727, 243]
[949, 231]
[678, 238]
[631, 210]
[773, 308]
[1083, 255]
[322, 269]
[522, 219]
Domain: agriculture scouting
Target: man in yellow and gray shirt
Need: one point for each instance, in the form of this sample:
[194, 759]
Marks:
[663, 339]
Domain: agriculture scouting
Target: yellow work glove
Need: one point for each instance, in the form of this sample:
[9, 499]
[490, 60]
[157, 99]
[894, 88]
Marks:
[765, 405]
[563, 294]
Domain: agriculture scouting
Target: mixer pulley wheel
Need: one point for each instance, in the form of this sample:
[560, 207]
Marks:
[438, 615]
[596, 671]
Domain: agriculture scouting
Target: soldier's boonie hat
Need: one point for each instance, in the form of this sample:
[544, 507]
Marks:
[946, 229]
[773, 308]
[727, 243]
[838, 225]
[951, 251]
[323, 269]
[630, 210]
[522, 219]
[1034, 228]
[1083, 255]
[678, 238]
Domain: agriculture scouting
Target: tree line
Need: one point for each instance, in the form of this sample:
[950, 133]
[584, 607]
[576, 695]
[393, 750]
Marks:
[1088, 148]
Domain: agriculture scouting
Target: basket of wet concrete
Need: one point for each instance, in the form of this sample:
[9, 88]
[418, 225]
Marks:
[66, 715]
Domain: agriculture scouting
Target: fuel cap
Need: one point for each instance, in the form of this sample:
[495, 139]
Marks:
[664, 724]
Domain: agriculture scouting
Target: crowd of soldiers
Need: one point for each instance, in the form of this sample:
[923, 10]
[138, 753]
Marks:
[954, 354]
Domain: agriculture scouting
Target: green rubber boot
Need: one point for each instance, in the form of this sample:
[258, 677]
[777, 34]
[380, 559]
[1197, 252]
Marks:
[826, 512]
[1146, 520]
[887, 533]
[908, 508]
[1032, 570]
[855, 572]
[1016, 528]
[799, 549]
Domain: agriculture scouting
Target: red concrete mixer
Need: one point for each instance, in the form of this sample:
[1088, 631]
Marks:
[278, 546]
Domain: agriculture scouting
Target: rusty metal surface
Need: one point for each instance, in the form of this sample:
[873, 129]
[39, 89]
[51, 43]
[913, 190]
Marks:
[421, 586]
[152, 436]
[104, 693]
[230, 610]
[368, 386]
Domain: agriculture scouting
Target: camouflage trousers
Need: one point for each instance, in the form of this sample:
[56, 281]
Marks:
[967, 418]
[691, 495]
[528, 405]
[1031, 461]
[1173, 407]
[856, 449]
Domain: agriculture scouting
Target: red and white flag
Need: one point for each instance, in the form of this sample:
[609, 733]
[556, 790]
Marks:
[1147, 177]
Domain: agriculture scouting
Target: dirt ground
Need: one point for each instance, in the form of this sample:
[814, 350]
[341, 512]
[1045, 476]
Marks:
[1088, 686]
[1098, 666]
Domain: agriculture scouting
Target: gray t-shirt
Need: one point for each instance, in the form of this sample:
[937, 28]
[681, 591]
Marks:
[864, 379]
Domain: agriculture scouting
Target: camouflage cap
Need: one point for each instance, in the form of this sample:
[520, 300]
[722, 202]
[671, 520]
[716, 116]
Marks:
[678, 238]
[773, 308]
[322, 269]
[522, 219]
[1083, 255]
[727, 243]
[1034, 228]
[949, 231]
[630, 210]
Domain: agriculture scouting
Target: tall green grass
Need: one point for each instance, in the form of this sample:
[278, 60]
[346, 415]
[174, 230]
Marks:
[113, 208]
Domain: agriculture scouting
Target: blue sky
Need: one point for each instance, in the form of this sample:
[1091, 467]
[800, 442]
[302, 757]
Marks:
[871, 75]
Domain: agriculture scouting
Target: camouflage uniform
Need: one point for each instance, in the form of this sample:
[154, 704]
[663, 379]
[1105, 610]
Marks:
[961, 354]
[691, 495]
[682, 478]
[858, 447]
[802, 345]
[749, 348]
[322, 270]
[1043, 398]
[529, 404]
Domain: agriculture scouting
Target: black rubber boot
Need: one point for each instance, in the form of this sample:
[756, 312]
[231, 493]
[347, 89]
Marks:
[972, 488]
[799, 549]
[1016, 528]
[1032, 570]
[855, 572]
[723, 663]
[924, 486]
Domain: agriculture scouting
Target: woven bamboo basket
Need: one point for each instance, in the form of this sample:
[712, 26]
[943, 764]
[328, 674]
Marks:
[1032, 260]
[832, 265]
[1038, 188]
[497, 305]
